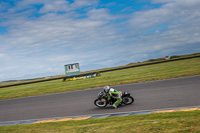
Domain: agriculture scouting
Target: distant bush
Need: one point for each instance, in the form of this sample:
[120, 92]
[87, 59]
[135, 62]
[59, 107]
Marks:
[174, 56]
[150, 60]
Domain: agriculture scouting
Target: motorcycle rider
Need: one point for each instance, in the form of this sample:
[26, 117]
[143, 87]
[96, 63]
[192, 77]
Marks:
[114, 94]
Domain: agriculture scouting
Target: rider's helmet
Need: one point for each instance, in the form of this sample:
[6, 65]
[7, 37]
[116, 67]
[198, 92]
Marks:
[106, 89]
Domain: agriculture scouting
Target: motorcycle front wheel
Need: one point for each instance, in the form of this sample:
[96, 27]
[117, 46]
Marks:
[99, 103]
[128, 100]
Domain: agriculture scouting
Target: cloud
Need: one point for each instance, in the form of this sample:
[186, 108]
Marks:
[100, 14]
[171, 25]
[169, 12]
[83, 3]
[180, 2]
[1, 55]
[64, 6]
[55, 6]
[55, 39]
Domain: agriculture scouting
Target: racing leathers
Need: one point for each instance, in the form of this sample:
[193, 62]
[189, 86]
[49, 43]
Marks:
[116, 95]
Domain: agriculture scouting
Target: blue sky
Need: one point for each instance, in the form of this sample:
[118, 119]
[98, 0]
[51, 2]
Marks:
[37, 38]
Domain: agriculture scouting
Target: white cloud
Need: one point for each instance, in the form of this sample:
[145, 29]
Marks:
[178, 21]
[169, 12]
[184, 2]
[83, 3]
[55, 6]
[51, 41]
[100, 14]
[64, 6]
[1, 55]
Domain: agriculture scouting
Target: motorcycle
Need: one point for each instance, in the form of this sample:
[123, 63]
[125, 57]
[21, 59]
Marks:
[102, 100]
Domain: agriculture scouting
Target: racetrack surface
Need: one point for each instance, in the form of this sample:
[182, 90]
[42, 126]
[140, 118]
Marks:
[170, 93]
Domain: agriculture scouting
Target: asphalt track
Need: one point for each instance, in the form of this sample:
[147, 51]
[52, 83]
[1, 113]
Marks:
[170, 93]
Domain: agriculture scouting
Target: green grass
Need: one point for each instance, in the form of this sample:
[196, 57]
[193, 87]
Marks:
[13, 82]
[161, 71]
[175, 122]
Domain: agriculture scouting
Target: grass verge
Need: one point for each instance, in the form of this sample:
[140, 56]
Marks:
[161, 71]
[183, 122]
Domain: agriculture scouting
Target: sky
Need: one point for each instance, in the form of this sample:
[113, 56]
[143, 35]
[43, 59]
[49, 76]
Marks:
[39, 37]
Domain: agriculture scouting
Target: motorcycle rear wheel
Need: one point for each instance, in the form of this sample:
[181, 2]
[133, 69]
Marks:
[100, 103]
[128, 100]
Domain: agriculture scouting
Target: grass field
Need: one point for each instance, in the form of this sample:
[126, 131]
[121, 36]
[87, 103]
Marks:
[161, 71]
[175, 57]
[175, 122]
